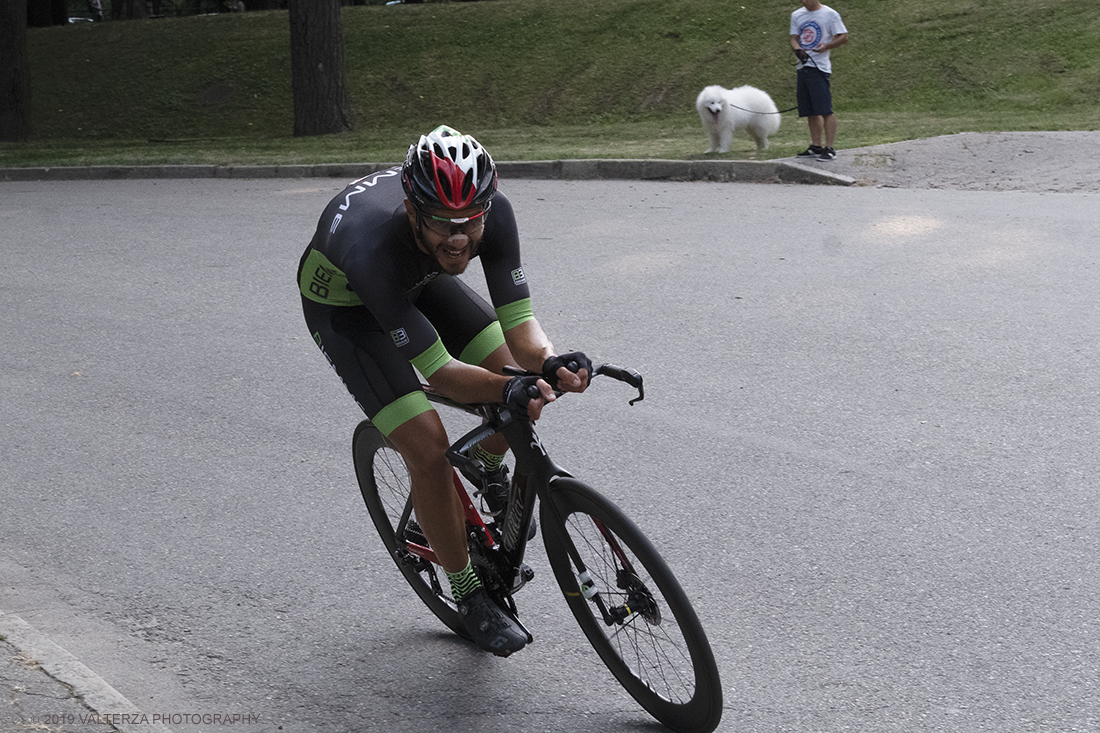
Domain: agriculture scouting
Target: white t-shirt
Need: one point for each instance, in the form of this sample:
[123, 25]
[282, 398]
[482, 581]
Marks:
[814, 28]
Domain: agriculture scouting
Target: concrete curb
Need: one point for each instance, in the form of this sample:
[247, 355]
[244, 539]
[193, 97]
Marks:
[107, 704]
[743, 171]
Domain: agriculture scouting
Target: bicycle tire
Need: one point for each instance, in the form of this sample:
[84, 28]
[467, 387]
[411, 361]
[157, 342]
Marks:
[385, 485]
[659, 654]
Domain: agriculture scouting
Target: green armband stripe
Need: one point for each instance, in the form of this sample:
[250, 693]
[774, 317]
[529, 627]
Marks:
[431, 359]
[485, 343]
[513, 314]
[325, 283]
[397, 413]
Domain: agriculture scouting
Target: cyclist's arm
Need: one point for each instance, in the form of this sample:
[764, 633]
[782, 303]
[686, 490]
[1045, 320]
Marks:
[507, 282]
[531, 347]
[471, 384]
[467, 383]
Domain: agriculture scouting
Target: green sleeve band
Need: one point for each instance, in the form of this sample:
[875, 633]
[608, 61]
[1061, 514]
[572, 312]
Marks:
[431, 359]
[513, 314]
[401, 411]
[485, 343]
[325, 283]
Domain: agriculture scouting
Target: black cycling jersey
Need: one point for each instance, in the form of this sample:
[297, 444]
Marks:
[363, 272]
[364, 253]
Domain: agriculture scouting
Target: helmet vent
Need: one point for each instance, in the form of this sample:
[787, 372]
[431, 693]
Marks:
[447, 169]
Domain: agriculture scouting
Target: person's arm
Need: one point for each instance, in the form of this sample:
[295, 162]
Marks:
[838, 40]
[531, 347]
[471, 384]
[511, 297]
[467, 383]
[796, 46]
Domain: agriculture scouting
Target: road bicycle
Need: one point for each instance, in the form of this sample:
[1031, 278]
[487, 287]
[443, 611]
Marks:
[622, 593]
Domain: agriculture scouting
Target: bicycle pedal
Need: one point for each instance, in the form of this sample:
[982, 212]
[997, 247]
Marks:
[525, 575]
[530, 637]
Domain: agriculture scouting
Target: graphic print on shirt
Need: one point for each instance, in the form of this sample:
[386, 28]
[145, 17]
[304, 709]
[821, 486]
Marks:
[810, 35]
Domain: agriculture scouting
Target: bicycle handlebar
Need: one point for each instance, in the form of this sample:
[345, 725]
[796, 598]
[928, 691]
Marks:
[458, 454]
[622, 374]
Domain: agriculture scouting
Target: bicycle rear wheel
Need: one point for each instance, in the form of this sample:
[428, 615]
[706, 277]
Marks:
[384, 482]
[631, 608]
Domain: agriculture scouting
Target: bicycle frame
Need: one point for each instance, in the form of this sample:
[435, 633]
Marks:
[533, 468]
[624, 596]
[473, 520]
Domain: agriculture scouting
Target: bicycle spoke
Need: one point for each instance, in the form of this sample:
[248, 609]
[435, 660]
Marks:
[384, 481]
[653, 648]
[631, 608]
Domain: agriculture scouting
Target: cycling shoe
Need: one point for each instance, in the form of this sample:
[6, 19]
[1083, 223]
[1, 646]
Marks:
[489, 627]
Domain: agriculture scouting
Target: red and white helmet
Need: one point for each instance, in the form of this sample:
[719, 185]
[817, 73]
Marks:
[449, 170]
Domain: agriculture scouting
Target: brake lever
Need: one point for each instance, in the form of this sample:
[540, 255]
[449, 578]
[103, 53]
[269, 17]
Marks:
[623, 374]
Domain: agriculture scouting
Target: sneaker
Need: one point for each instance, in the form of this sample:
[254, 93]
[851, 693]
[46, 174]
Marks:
[489, 627]
[827, 154]
[811, 152]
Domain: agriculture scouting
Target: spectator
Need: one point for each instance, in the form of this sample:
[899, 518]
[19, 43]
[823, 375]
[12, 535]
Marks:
[816, 29]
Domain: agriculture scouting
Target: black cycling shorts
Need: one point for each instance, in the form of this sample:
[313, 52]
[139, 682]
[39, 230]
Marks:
[381, 380]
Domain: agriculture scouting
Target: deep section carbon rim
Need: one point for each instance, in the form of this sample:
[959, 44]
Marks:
[386, 488]
[632, 609]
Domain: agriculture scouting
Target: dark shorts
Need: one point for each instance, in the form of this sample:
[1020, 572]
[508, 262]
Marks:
[814, 96]
[381, 380]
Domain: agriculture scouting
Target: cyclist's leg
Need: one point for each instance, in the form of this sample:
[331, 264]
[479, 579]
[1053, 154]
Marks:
[422, 443]
[387, 389]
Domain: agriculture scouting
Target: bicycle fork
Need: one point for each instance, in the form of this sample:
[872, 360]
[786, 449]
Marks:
[638, 598]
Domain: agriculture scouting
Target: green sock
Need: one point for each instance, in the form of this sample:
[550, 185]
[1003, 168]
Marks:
[491, 461]
[464, 582]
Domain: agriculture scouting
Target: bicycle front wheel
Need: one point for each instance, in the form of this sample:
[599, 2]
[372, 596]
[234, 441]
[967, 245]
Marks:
[631, 608]
[387, 491]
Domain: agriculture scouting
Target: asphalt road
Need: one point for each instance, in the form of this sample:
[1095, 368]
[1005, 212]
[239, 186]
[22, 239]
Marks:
[868, 448]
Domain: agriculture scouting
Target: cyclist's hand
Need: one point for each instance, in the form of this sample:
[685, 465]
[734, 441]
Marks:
[568, 372]
[526, 396]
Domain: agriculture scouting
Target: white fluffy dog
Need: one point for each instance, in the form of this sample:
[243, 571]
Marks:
[724, 111]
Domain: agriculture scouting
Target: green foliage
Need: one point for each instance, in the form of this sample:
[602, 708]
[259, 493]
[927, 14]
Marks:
[550, 78]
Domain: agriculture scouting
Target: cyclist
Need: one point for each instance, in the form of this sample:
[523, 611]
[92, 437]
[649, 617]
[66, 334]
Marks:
[380, 294]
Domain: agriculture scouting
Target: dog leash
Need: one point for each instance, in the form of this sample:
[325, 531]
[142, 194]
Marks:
[782, 111]
[809, 59]
[758, 112]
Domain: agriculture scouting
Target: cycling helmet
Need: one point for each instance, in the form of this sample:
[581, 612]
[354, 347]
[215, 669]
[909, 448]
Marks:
[447, 169]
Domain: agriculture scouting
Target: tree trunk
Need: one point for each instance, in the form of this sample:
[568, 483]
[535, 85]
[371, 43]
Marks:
[128, 9]
[15, 80]
[321, 105]
[43, 13]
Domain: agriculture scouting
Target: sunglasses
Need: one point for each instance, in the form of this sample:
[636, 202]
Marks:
[444, 226]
